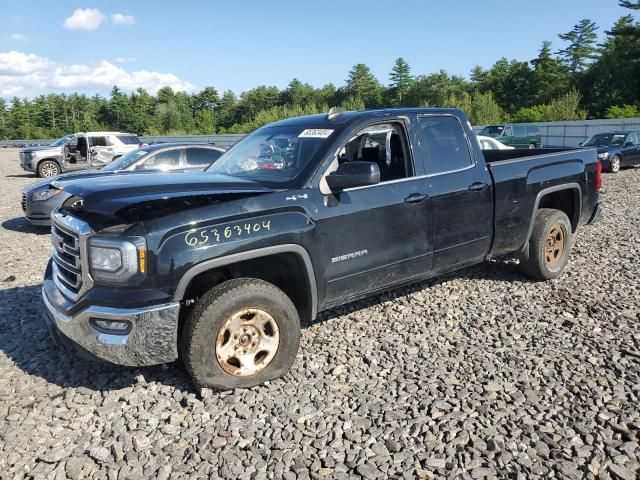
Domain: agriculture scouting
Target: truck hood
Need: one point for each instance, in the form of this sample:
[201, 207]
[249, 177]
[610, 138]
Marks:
[135, 196]
[40, 149]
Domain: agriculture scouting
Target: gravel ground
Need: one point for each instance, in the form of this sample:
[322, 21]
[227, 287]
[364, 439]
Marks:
[480, 374]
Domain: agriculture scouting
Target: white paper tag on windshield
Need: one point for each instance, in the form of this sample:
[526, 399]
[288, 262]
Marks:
[316, 133]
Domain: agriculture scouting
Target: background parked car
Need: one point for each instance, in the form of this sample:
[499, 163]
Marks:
[518, 135]
[488, 143]
[80, 151]
[41, 198]
[616, 149]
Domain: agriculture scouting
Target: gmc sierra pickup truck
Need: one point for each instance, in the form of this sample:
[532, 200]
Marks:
[300, 216]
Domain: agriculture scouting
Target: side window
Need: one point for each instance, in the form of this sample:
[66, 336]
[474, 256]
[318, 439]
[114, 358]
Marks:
[384, 144]
[519, 131]
[507, 132]
[98, 142]
[532, 130]
[166, 160]
[201, 157]
[633, 138]
[443, 144]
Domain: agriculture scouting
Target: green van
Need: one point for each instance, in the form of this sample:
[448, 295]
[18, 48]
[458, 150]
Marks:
[518, 135]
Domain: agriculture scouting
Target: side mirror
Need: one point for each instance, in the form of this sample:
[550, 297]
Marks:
[353, 174]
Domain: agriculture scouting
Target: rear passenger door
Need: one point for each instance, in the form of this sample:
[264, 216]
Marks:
[101, 153]
[460, 192]
[520, 136]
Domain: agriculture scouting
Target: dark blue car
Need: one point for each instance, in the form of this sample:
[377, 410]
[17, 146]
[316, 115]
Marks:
[616, 149]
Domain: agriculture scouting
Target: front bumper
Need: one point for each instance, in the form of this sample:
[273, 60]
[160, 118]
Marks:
[152, 338]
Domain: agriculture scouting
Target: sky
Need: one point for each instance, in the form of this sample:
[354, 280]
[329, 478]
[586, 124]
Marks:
[88, 46]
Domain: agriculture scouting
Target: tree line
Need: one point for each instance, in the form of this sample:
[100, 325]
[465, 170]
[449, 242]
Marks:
[582, 79]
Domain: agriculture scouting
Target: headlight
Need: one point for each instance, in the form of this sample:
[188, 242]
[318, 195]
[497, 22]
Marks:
[45, 194]
[117, 261]
[603, 156]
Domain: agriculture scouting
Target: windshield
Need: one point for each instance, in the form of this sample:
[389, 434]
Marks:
[605, 140]
[272, 155]
[61, 141]
[492, 130]
[125, 161]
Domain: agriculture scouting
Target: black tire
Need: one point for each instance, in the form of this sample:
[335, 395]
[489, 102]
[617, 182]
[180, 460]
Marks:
[532, 146]
[204, 323]
[538, 266]
[48, 169]
[615, 164]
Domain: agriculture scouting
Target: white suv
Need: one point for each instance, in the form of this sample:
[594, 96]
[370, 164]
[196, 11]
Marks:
[80, 151]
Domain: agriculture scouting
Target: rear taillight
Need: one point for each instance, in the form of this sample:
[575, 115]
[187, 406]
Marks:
[598, 176]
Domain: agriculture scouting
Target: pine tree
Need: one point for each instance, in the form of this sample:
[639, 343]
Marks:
[550, 76]
[582, 48]
[362, 84]
[401, 81]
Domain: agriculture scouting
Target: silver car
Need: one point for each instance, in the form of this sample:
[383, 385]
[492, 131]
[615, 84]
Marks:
[41, 198]
[80, 151]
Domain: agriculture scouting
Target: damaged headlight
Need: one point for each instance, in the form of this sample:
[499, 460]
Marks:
[117, 261]
[45, 194]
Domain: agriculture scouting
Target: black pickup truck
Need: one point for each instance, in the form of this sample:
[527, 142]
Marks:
[300, 216]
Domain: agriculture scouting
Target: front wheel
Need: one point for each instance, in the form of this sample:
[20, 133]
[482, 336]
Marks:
[48, 168]
[532, 146]
[615, 164]
[549, 245]
[242, 333]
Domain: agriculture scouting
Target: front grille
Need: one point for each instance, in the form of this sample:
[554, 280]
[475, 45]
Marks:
[68, 239]
[23, 202]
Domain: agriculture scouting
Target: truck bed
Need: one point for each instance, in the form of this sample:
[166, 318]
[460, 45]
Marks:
[525, 179]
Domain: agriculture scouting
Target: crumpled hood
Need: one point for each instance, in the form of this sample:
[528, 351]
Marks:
[134, 196]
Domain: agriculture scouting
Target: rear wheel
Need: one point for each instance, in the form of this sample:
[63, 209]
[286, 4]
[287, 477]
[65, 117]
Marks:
[48, 168]
[241, 333]
[549, 245]
[615, 164]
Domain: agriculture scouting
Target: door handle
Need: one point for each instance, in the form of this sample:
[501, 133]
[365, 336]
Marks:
[416, 198]
[478, 186]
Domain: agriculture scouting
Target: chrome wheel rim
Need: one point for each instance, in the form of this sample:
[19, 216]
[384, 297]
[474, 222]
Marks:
[615, 164]
[49, 170]
[554, 247]
[247, 342]
[532, 146]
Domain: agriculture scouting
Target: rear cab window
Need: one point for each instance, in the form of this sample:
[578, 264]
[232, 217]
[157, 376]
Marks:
[443, 144]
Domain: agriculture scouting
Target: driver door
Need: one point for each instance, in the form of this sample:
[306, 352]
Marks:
[377, 235]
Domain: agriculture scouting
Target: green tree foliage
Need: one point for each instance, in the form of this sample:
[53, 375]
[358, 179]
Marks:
[550, 78]
[567, 107]
[582, 47]
[361, 83]
[625, 111]
[401, 80]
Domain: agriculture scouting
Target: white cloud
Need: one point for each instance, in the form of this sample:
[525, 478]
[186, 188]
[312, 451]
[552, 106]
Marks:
[121, 19]
[85, 19]
[27, 74]
[122, 60]
[18, 37]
